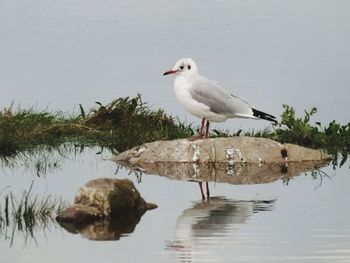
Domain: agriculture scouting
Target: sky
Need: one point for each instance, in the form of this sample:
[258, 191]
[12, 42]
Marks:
[57, 54]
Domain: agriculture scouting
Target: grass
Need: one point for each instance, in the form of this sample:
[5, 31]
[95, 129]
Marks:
[24, 129]
[128, 122]
[27, 213]
[333, 137]
[124, 123]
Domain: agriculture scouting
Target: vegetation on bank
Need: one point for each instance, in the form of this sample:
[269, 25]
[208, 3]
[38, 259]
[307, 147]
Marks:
[127, 122]
[334, 137]
[122, 124]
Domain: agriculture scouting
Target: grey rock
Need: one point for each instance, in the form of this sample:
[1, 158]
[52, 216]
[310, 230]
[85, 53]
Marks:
[236, 160]
[227, 150]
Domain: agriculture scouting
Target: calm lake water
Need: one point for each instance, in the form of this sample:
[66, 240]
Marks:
[303, 220]
[57, 54]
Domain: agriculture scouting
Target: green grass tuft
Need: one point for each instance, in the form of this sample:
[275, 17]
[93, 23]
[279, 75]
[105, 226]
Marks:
[25, 214]
[128, 122]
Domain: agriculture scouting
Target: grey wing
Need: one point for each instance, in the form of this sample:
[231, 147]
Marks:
[220, 101]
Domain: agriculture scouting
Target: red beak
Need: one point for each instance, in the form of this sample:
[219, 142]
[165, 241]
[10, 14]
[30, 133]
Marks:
[170, 72]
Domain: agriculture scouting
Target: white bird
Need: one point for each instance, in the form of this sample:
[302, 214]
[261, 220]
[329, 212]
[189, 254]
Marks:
[208, 99]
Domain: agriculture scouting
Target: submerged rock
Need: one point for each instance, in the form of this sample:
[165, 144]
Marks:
[101, 202]
[217, 150]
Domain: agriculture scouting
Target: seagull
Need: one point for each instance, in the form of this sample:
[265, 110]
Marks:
[207, 99]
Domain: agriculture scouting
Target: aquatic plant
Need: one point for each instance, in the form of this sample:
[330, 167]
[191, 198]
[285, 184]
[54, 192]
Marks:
[26, 213]
[128, 122]
[334, 137]
[124, 123]
[23, 129]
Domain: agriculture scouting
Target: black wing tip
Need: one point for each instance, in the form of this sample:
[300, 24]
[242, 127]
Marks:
[264, 116]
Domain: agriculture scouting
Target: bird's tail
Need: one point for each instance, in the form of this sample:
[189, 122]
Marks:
[265, 116]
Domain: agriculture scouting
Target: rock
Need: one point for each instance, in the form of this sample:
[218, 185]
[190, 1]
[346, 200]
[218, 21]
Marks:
[227, 150]
[235, 160]
[105, 202]
[111, 197]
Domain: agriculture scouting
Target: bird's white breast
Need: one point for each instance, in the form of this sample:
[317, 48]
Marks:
[181, 88]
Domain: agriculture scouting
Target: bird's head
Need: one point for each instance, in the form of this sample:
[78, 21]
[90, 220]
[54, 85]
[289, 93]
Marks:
[184, 66]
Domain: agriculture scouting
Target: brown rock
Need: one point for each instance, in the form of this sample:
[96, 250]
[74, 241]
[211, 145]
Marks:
[104, 198]
[111, 197]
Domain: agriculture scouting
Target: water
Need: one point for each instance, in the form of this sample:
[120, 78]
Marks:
[303, 220]
[267, 52]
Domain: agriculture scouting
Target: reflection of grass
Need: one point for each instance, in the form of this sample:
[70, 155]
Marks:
[25, 214]
[127, 122]
[40, 160]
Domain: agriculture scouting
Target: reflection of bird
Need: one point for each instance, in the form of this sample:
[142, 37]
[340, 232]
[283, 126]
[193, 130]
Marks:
[207, 99]
[205, 223]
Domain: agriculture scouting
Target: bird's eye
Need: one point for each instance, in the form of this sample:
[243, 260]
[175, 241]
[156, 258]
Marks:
[189, 67]
[182, 67]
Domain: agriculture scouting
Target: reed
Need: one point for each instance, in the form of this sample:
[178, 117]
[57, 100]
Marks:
[26, 213]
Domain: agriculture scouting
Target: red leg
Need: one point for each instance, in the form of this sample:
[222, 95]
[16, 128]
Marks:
[200, 137]
[207, 130]
[201, 130]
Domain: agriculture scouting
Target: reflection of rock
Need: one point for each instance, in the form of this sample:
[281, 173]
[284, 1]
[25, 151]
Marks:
[210, 221]
[239, 173]
[104, 209]
[228, 150]
[104, 229]
[79, 214]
